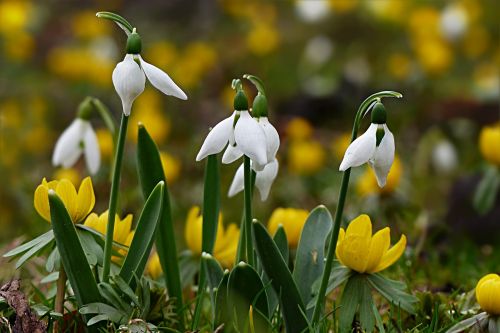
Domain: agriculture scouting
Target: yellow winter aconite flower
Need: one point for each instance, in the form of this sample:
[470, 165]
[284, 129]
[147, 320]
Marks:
[105, 140]
[367, 183]
[122, 226]
[339, 145]
[292, 220]
[154, 267]
[83, 25]
[305, 157]
[171, 166]
[364, 253]
[298, 129]
[399, 65]
[262, 39]
[488, 293]
[71, 174]
[79, 204]
[489, 143]
[226, 243]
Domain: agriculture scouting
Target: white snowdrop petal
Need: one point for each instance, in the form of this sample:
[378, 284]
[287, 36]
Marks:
[251, 139]
[383, 157]
[272, 138]
[217, 138]
[161, 81]
[238, 183]
[129, 82]
[67, 149]
[231, 154]
[360, 150]
[92, 151]
[265, 178]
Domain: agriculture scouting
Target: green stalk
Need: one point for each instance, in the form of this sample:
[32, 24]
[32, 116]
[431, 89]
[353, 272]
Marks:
[248, 209]
[113, 198]
[241, 252]
[362, 110]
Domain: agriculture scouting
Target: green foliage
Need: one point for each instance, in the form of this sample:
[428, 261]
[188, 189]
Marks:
[487, 190]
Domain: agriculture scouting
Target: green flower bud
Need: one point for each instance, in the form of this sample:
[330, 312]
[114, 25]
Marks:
[240, 101]
[85, 109]
[134, 43]
[379, 115]
[259, 108]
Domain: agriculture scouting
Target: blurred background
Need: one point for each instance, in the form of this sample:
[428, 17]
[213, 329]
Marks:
[318, 59]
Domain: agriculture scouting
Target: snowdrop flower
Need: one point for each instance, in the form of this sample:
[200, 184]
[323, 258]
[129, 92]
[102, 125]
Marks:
[129, 76]
[263, 180]
[243, 134]
[375, 146]
[79, 138]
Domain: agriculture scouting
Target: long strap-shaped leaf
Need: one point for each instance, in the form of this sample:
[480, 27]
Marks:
[309, 260]
[141, 245]
[211, 203]
[150, 173]
[73, 258]
[276, 269]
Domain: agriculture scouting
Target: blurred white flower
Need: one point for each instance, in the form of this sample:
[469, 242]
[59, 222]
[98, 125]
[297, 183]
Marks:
[444, 156]
[454, 21]
[263, 180]
[312, 11]
[78, 138]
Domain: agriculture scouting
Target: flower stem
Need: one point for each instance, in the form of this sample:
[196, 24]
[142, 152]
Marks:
[248, 209]
[362, 110]
[113, 198]
[60, 292]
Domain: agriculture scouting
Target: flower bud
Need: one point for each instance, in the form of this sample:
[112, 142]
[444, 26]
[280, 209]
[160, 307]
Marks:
[379, 115]
[259, 108]
[134, 43]
[85, 109]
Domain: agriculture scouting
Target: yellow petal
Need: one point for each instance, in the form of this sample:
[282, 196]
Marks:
[361, 226]
[192, 230]
[275, 220]
[356, 244]
[391, 256]
[339, 250]
[67, 193]
[488, 293]
[379, 245]
[122, 229]
[227, 256]
[86, 199]
[41, 201]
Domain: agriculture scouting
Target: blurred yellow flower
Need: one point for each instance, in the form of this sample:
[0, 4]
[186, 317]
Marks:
[198, 58]
[367, 183]
[37, 139]
[19, 45]
[434, 55]
[171, 167]
[162, 54]
[476, 41]
[343, 6]
[14, 15]
[292, 220]
[153, 267]
[263, 39]
[487, 81]
[390, 10]
[364, 253]
[105, 140]
[424, 22]
[79, 205]
[339, 145]
[148, 111]
[84, 25]
[121, 232]
[70, 174]
[489, 143]
[298, 128]
[226, 243]
[305, 157]
[399, 65]
[488, 293]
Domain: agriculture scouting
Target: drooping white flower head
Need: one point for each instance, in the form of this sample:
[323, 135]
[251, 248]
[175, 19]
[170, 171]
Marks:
[78, 138]
[242, 135]
[129, 76]
[375, 147]
[263, 180]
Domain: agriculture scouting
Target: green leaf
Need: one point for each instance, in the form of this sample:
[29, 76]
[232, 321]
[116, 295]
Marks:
[150, 171]
[36, 249]
[245, 289]
[338, 276]
[213, 270]
[479, 320]
[90, 246]
[50, 278]
[222, 314]
[211, 204]
[72, 256]
[53, 260]
[486, 191]
[309, 259]
[393, 291]
[28, 245]
[141, 245]
[351, 298]
[104, 312]
[366, 316]
[292, 305]
[109, 293]
[125, 289]
[282, 242]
